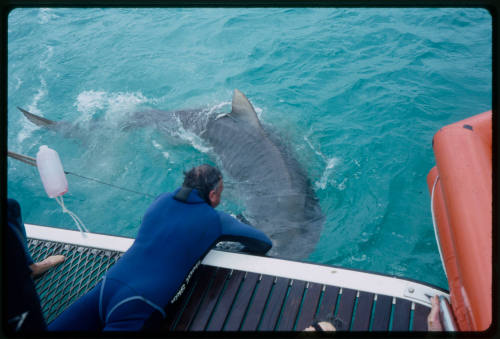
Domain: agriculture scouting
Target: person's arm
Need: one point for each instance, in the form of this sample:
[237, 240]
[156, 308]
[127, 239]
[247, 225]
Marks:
[234, 230]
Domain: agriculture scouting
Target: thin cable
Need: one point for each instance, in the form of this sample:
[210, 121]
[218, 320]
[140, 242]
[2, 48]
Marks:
[79, 224]
[111, 185]
[436, 233]
[32, 161]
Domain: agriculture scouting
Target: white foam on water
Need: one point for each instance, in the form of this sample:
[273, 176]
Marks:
[115, 105]
[259, 111]
[125, 100]
[217, 107]
[88, 102]
[313, 148]
[26, 131]
[193, 139]
[160, 148]
[118, 103]
[331, 163]
[46, 57]
[322, 183]
[19, 82]
[46, 14]
[29, 127]
[42, 91]
[118, 106]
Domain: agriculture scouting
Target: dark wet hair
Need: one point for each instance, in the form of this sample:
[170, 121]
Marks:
[204, 178]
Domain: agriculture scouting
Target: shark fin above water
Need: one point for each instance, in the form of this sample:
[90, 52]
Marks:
[37, 120]
[243, 110]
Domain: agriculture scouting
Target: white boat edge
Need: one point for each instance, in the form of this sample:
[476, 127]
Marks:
[321, 274]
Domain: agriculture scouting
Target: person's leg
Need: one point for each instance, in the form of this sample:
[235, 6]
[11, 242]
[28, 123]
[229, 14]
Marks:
[129, 316]
[15, 221]
[22, 312]
[82, 315]
[123, 309]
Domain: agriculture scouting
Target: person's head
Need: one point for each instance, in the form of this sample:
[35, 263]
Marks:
[207, 180]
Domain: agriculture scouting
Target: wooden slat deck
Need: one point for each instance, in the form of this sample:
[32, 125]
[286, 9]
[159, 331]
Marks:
[236, 292]
[220, 299]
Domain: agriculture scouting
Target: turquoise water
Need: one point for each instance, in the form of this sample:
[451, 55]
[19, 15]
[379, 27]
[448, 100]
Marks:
[357, 93]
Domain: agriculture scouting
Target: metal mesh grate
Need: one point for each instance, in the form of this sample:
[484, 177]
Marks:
[61, 286]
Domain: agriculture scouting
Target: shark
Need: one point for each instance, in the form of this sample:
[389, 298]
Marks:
[273, 187]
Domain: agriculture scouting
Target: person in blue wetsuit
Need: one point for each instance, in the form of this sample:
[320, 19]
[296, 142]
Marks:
[177, 231]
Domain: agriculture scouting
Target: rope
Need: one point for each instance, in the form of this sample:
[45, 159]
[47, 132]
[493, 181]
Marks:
[79, 224]
[436, 234]
[111, 185]
[32, 161]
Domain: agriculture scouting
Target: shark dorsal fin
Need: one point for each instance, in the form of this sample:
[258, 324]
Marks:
[243, 110]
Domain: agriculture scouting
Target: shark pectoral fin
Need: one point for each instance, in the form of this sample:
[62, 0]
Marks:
[243, 110]
[40, 121]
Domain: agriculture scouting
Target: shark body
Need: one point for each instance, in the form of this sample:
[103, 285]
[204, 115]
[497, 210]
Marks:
[274, 188]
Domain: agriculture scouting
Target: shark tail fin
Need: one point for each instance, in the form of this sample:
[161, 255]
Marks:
[37, 120]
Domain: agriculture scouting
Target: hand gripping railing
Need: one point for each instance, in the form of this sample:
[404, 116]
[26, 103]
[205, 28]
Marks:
[446, 315]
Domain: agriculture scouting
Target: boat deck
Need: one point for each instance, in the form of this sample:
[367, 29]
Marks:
[219, 299]
[238, 292]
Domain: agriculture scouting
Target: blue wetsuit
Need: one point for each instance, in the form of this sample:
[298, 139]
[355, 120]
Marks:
[174, 236]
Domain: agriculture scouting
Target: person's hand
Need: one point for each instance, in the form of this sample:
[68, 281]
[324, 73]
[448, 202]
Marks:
[433, 320]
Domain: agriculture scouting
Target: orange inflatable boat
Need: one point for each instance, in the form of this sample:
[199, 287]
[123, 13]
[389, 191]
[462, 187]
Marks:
[461, 197]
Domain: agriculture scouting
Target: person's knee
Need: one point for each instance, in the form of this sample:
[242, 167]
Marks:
[14, 208]
[14, 214]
